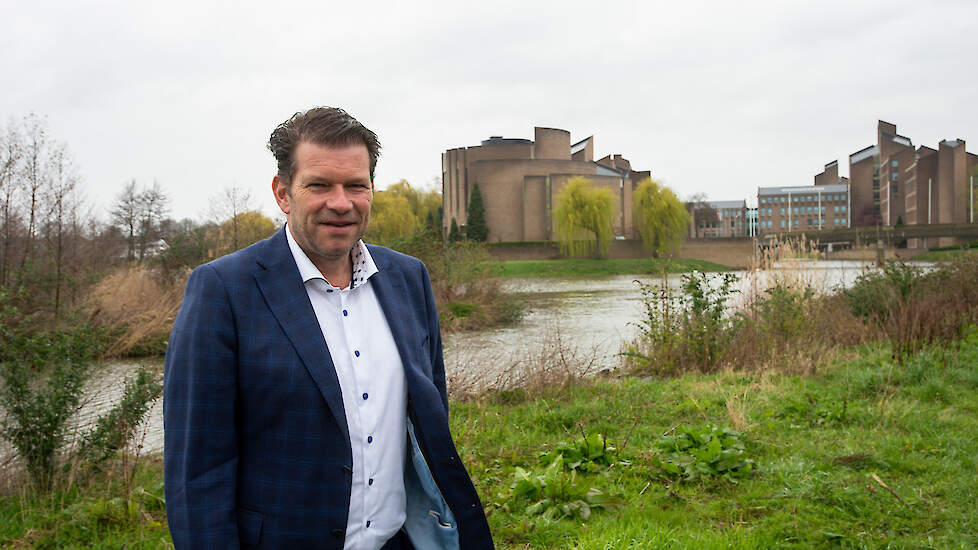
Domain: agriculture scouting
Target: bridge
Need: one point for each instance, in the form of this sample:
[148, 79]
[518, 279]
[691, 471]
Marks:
[889, 235]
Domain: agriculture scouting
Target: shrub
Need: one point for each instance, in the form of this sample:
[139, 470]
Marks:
[42, 373]
[686, 331]
[467, 296]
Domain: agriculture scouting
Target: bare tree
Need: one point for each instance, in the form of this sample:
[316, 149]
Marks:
[227, 206]
[10, 154]
[35, 148]
[154, 206]
[62, 205]
[125, 215]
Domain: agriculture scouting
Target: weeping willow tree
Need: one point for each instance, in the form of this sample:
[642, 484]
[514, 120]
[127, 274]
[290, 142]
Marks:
[391, 217]
[659, 216]
[583, 218]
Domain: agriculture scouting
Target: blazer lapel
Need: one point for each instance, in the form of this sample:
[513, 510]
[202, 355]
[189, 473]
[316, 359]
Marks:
[280, 284]
[388, 285]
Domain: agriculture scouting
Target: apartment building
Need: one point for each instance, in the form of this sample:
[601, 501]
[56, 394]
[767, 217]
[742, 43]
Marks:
[519, 180]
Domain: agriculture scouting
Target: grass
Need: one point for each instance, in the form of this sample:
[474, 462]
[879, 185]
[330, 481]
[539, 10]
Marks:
[93, 513]
[945, 255]
[823, 447]
[589, 266]
[817, 443]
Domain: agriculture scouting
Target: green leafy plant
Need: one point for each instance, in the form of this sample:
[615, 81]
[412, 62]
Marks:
[589, 454]
[693, 454]
[556, 494]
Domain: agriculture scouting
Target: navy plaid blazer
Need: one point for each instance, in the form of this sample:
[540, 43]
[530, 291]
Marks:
[256, 448]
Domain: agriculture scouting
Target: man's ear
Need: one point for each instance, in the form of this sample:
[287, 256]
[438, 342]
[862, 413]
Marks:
[281, 192]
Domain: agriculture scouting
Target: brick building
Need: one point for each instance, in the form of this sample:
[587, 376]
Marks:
[894, 183]
[802, 208]
[519, 180]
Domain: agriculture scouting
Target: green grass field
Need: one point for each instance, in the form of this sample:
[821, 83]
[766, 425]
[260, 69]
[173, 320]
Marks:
[816, 443]
[588, 266]
[944, 255]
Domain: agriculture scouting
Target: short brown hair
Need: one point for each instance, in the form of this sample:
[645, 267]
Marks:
[320, 126]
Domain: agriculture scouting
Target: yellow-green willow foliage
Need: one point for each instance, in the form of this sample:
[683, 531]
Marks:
[583, 218]
[401, 211]
[659, 216]
[391, 217]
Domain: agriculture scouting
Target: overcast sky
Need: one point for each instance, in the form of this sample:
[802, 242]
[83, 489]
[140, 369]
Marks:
[714, 97]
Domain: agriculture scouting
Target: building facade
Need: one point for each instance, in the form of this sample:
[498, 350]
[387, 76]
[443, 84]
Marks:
[719, 219]
[519, 180]
[894, 183]
[802, 208]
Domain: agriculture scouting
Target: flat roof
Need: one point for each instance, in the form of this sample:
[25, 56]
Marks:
[863, 154]
[497, 140]
[804, 189]
[727, 204]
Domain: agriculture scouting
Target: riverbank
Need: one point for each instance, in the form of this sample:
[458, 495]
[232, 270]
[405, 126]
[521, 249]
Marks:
[947, 254]
[863, 453]
[606, 266]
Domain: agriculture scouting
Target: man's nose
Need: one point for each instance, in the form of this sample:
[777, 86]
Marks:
[338, 201]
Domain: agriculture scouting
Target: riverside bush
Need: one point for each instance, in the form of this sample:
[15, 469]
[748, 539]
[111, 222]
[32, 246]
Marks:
[42, 373]
[467, 295]
[686, 331]
[912, 308]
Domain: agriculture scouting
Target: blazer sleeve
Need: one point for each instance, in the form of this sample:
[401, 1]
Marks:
[434, 338]
[200, 441]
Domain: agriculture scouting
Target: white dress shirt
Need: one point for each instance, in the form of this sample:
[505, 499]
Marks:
[374, 390]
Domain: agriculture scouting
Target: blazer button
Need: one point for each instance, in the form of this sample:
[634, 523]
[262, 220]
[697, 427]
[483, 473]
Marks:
[337, 533]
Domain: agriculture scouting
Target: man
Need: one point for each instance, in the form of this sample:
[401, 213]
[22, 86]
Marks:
[304, 400]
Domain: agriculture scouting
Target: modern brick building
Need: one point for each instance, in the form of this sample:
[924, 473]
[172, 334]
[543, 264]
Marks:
[894, 183]
[802, 208]
[519, 180]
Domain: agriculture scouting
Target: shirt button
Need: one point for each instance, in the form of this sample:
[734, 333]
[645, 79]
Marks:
[370, 481]
[368, 523]
[370, 439]
[344, 313]
[356, 352]
[364, 396]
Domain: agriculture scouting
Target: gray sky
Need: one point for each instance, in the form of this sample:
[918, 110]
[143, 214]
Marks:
[714, 97]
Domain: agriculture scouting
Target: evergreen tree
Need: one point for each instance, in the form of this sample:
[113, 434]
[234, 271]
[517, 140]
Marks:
[477, 230]
[454, 235]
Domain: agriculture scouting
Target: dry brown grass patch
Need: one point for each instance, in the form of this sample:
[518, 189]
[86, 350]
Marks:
[138, 309]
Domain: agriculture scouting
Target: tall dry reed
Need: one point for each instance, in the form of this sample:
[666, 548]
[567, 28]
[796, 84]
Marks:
[138, 308]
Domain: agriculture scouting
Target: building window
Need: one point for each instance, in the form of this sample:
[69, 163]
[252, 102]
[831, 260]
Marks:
[896, 189]
[783, 222]
[894, 176]
[894, 164]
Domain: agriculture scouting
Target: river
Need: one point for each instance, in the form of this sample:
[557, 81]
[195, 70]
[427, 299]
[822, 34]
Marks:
[580, 320]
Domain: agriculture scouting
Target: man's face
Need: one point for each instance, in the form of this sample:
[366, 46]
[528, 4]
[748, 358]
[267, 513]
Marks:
[328, 202]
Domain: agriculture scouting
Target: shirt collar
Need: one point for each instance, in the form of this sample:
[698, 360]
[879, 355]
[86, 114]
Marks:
[363, 264]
